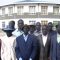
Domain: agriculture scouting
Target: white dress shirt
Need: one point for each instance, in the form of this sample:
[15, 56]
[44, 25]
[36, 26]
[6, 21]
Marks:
[17, 32]
[7, 48]
[25, 37]
[44, 38]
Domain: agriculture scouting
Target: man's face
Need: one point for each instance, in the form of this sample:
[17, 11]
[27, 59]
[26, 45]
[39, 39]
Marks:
[49, 27]
[32, 29]
[44, 30]
[20, 24]
[8, 33]
[25, 29]
[38, 26]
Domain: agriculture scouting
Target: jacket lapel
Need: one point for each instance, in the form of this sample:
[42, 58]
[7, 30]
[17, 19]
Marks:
[47, 40]
[40, 39]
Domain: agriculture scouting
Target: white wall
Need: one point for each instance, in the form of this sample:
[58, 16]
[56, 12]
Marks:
[6, 10]
[59, 9]
[39, 8]
[50, 8]
[26, 9]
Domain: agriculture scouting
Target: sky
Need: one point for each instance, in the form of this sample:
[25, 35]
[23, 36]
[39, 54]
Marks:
[5, 2]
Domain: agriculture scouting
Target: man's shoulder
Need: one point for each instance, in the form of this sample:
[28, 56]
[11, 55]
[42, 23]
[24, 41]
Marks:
[13, 37]
[3, 37]
[33, 36]
[54, 36]
[14, 31]
[19, 36]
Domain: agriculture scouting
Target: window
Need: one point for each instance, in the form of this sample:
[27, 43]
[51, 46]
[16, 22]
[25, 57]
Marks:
[31, 22]
[3, 24]
[20, 10]
[55, 23]
[44, 22]
[44, 10]
[10, 9]
[3, 11]
[32, 9]
[55, 10]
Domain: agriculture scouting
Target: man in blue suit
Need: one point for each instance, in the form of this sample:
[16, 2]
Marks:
[55, 45]
[26, 45]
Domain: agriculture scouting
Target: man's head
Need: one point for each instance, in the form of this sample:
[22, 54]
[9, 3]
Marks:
[50, 25]
[58, 28]
[26, 29]
[32, 28]
[20, 24]
[9, 33]
[8, 30]
[38, 26]
[44, 29]
[12, 24]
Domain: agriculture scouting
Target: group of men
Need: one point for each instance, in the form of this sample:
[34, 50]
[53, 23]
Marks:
[37, 42]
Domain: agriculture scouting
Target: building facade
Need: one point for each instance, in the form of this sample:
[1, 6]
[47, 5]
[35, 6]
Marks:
[30, 11]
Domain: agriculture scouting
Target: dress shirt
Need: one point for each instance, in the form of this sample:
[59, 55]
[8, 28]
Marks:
[44, 38]
[25, 37]
[17, 32]
[58, 38]
[7, 48]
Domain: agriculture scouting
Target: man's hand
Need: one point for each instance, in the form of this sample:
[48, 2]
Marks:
[20, 58]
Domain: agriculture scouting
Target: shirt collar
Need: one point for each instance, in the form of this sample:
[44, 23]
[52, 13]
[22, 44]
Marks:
[45, 35]
[25, 35]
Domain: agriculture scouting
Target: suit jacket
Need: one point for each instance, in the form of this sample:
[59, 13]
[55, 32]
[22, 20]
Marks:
[27, 49]
[51, 33]
[54, 52]
[44, 50]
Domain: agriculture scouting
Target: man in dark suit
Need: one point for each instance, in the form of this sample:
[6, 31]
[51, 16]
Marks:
[44, 44]
[26, 46]
[55, 45]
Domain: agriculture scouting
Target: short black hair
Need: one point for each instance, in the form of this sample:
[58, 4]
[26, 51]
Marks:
[38, 23]
[45, 26]
[21, 20]
[50, 23]
[13, 22]
[26, 26]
